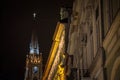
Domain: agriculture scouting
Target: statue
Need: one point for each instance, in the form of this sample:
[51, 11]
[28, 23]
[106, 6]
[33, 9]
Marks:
[63, 13]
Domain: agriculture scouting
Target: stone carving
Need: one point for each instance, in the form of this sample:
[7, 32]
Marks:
[63, 13]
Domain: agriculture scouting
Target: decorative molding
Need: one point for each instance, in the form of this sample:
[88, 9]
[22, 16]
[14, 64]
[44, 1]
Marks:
[112, 31]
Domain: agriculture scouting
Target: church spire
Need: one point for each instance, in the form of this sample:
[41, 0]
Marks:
[34, 46]
[34, 59]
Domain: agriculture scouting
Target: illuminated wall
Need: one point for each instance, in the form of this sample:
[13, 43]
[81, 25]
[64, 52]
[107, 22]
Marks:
[57, 50]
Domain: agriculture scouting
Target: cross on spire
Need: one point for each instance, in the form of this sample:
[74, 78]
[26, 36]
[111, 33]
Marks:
[34, 15]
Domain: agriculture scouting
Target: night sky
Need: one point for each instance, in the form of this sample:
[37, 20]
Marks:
[17, 26]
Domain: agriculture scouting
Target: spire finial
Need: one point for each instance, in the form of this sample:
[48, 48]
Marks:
[34, 15]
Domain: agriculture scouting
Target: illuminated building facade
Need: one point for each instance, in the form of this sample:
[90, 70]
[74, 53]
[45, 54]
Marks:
[33, 61]
[86, 42]
[55, 68]
[94, 40]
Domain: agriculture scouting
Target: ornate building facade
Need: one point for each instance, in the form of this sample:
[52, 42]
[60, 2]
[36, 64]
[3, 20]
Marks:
[94, 40]
[34, 61]
[86, 42]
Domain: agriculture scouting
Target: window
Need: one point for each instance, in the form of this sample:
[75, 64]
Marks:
[35, 69]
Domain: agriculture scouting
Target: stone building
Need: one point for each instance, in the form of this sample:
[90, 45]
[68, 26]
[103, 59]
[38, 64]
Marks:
[91, 44]
[94, 40]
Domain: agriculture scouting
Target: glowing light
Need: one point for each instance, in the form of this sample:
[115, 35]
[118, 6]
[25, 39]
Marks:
[36, 51]
[31, 51]
[34, 15]
[35, 69]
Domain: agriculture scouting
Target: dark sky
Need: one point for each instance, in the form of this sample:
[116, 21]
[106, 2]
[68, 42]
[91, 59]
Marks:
[17, 25]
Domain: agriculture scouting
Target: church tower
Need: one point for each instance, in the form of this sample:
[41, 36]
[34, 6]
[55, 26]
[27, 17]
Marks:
[33, 60]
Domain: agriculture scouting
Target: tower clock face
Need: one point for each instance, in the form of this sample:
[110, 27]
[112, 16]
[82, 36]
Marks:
[35, 69]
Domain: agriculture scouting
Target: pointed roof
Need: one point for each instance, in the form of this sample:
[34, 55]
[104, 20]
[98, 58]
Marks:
[34, 46]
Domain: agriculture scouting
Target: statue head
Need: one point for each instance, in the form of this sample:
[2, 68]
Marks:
[63, 13]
